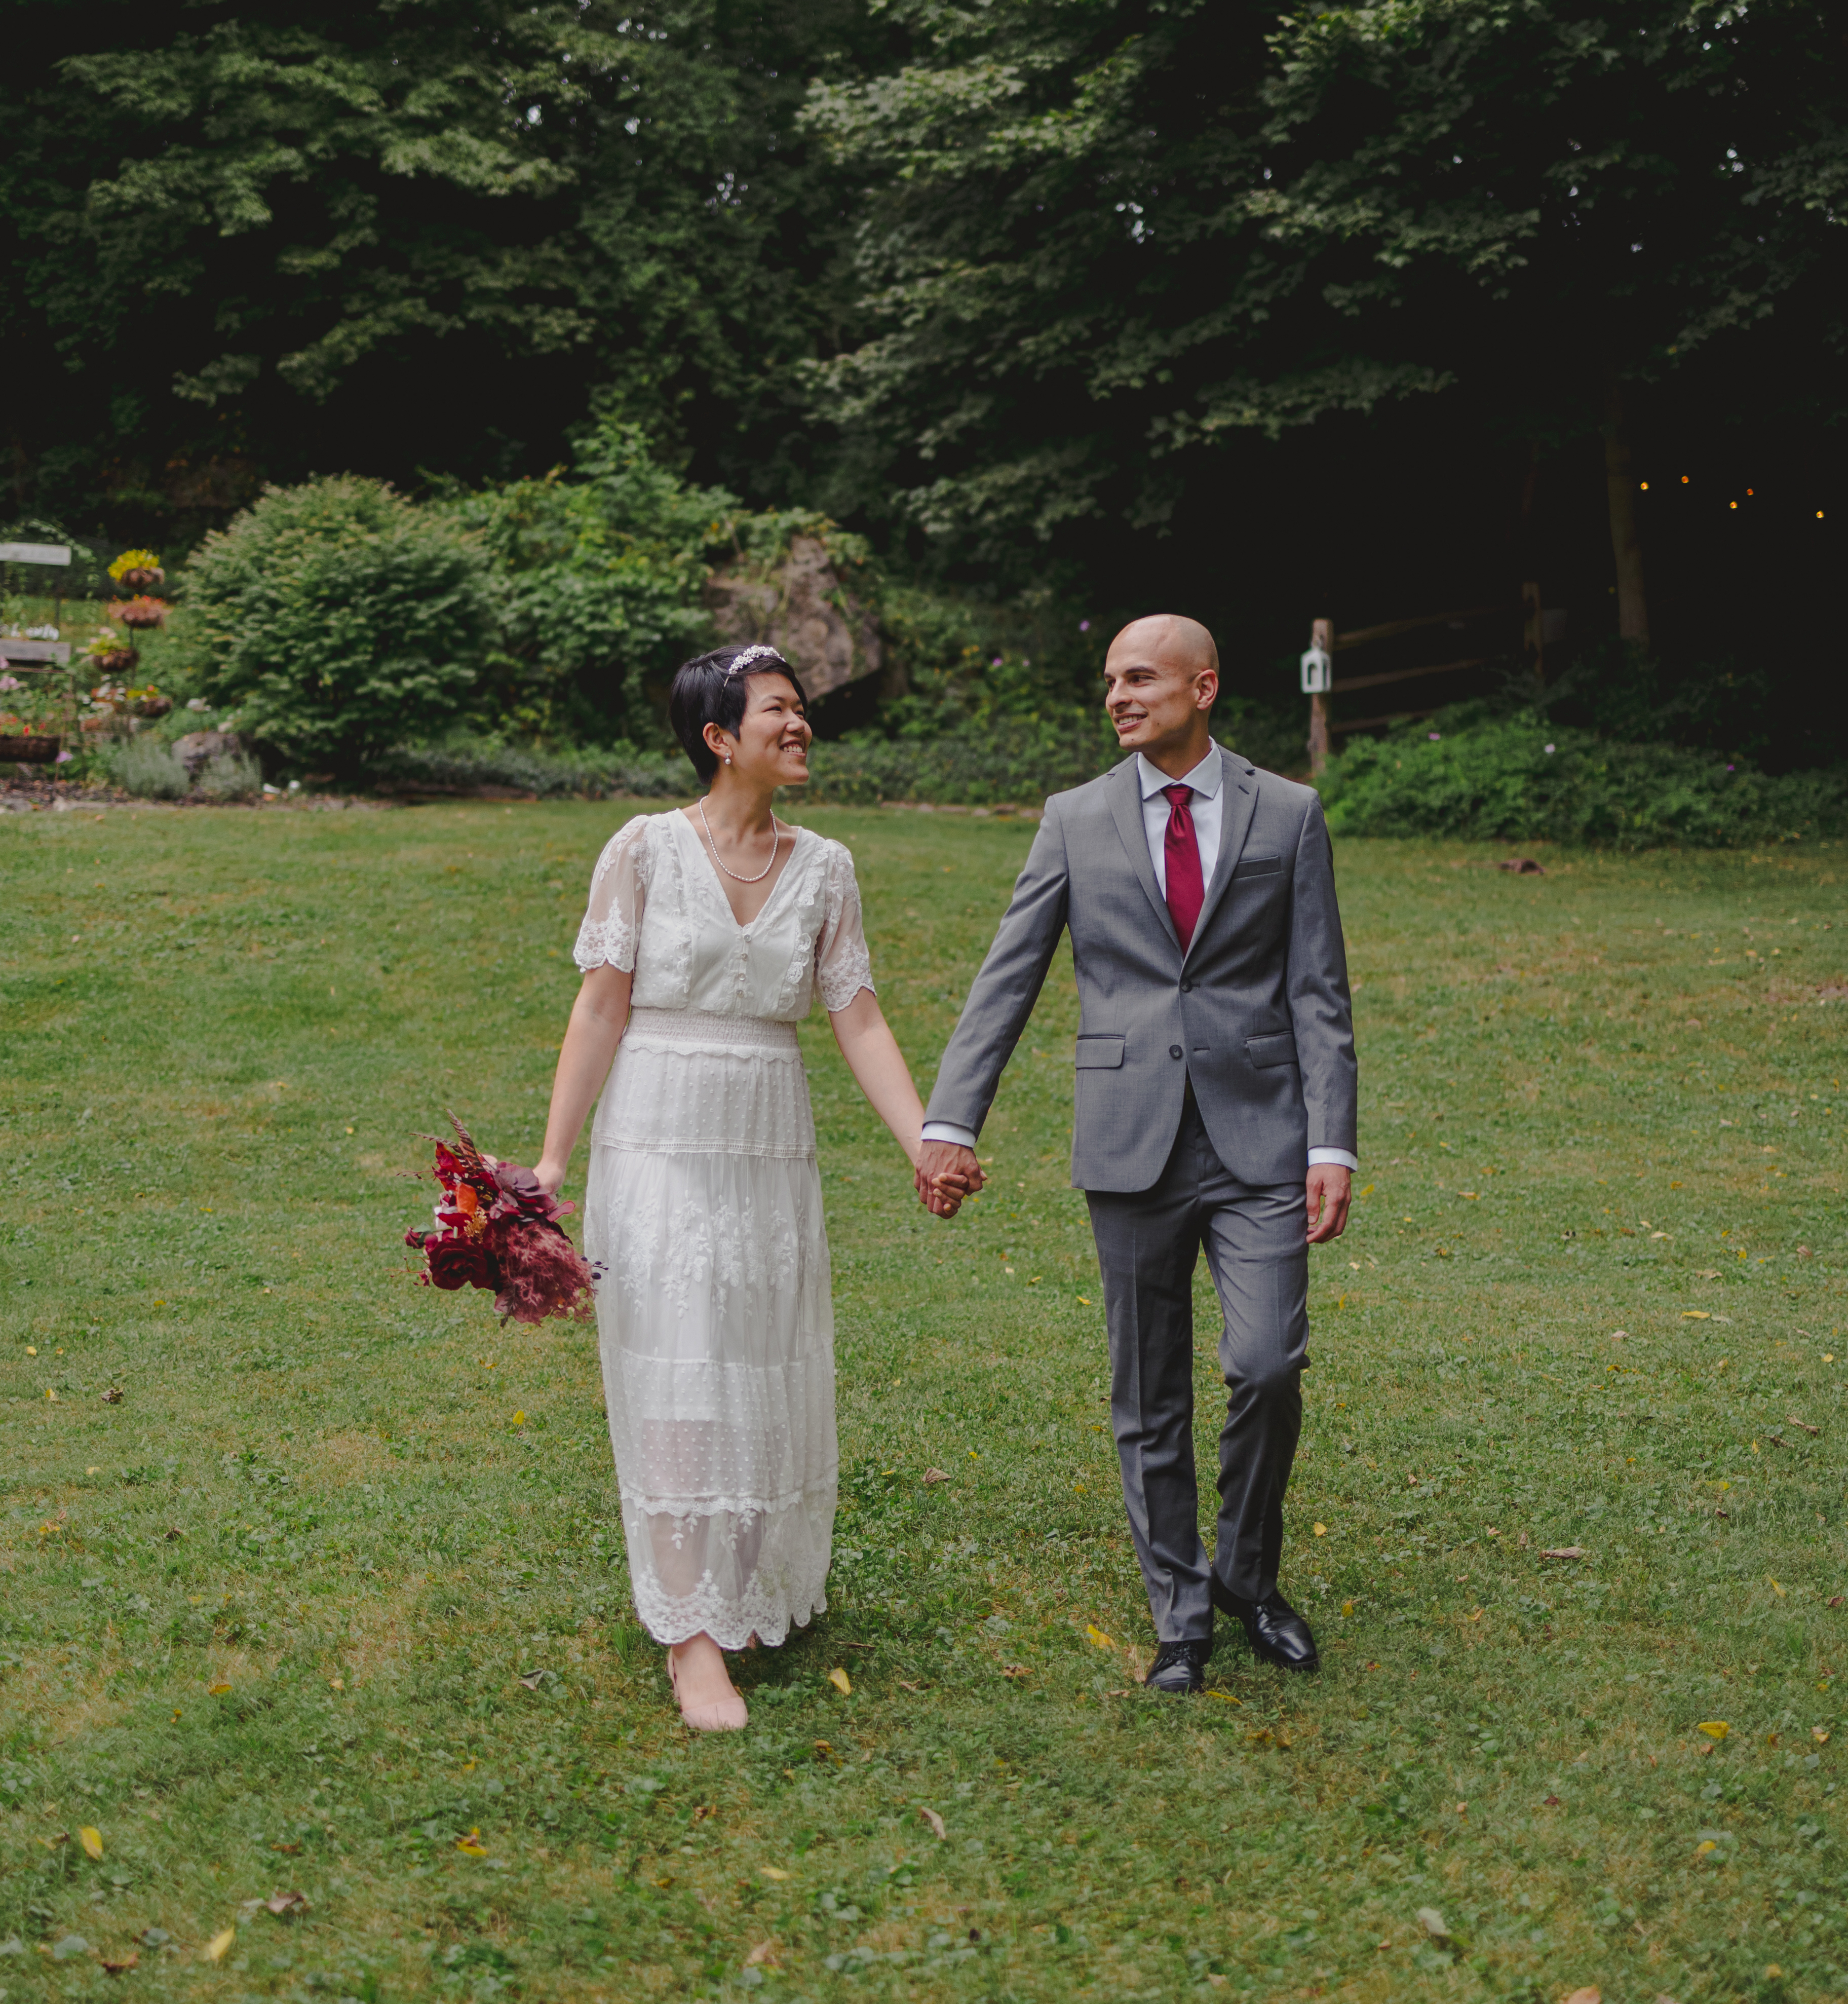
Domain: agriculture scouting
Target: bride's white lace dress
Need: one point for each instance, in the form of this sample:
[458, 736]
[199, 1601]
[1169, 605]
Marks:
[704, 1209]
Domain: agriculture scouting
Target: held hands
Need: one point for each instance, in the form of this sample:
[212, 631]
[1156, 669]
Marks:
[1328, 1189]
[946, 1173]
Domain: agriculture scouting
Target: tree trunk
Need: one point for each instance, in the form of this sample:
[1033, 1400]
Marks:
[1626, 539]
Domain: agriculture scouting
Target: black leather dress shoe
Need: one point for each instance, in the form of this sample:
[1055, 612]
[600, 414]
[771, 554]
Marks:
[1276, 1632]
[1179, 1667]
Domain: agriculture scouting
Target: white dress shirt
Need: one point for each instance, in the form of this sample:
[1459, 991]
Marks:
[1207, 779]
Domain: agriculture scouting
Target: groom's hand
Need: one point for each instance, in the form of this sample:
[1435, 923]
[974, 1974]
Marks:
[941, 1162]
[1329, 1187]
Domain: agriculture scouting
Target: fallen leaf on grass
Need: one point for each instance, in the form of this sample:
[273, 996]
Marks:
[903, 1685]
[122, 1967]
[1432, 1921]
[841, 1682]
[532, 1679]
[1820, 1735]
[471, 1845]
[933, 1475]
[1781, 1592]
[1225, 1698]
[91, 1838]
[113, 1397]
[1565, 1552]
[1792, 1420]
[935, 1821]
[1014, 1673]
[1084, 1301]
[1094, 1634]
[1716, 1729]
[771, 1871]
[219, 1946]
[1552, 1802]
[1695, 1314]
[764, 1952]
[1589, 1994]
[286, 1903]
[218, 1690]
[293, 1850]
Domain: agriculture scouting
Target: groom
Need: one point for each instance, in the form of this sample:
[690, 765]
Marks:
[1215, 1109]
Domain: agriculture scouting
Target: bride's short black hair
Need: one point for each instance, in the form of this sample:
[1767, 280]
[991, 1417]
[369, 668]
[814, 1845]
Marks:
[711, 688]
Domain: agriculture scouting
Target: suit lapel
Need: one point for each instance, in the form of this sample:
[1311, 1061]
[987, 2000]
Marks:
[1125, 805]
[1238, 788]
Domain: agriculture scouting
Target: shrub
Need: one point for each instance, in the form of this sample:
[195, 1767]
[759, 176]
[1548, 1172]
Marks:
[1496, 780]
[144, 767]
[465, 762]
[332, 613]
[232, 776]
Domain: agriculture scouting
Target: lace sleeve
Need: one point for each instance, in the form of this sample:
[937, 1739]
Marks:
[843, 967]
[618, 887]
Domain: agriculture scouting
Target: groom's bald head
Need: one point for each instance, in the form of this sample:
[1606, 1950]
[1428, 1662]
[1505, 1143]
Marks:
[1171, 637]
[1161, 677]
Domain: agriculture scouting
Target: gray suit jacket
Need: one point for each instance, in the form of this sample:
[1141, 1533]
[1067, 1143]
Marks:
[1256, 1011]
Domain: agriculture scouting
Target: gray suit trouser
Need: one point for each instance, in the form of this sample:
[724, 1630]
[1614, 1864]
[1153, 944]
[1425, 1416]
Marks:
[1149, 1242]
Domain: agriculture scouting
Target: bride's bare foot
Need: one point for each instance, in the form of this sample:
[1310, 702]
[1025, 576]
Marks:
[709, 1702]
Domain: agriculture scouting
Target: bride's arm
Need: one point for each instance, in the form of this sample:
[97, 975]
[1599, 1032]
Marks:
[874, 1059]
[598, 1017]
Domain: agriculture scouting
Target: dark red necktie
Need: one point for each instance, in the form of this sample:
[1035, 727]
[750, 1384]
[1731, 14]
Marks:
[1180, 861]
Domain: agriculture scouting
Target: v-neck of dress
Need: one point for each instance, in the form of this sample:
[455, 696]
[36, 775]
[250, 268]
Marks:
[711, 869]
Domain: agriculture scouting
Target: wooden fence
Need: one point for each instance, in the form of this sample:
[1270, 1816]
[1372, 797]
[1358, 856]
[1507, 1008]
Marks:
[1322, 684]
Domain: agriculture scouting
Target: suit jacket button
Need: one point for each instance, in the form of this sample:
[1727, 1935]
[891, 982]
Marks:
[1187, 988]
[1174, 1050]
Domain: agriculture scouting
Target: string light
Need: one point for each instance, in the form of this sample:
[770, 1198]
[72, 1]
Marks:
[1732, 504]
[1749, 490]
[1646, 487]
[1683, 480]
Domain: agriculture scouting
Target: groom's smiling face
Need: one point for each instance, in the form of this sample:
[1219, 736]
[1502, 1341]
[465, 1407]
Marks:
[1161, 677]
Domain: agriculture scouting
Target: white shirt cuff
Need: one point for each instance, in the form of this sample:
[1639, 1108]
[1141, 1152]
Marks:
[947, 1130]
[1340, 1155]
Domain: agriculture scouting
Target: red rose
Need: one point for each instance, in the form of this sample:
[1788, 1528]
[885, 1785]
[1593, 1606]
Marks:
[462, 1262]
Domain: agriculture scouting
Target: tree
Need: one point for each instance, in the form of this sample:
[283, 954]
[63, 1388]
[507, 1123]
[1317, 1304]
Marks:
[247, 240]
[1103, 244]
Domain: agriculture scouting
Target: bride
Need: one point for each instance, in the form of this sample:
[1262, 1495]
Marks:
[708, 931]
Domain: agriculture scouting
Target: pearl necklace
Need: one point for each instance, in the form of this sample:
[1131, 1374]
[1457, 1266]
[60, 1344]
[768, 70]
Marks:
[776, 843]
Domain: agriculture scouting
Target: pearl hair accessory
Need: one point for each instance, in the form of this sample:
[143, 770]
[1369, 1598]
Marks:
[759, 652]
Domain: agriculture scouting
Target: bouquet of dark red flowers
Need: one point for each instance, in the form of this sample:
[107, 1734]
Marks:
[497, 1229]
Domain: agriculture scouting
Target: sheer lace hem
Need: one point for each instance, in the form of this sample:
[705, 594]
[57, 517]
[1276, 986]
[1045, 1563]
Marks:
[671, 1618]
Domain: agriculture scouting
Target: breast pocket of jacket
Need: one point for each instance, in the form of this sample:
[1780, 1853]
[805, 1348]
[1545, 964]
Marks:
[1278, 1048]
[1250, 866]
[1099, 1051]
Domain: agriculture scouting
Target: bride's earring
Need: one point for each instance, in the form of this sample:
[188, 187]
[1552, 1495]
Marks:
[728, 758]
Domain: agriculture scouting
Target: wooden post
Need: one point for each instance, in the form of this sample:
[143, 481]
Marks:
[1533, 631]
[1321, 634]
[1626, 536]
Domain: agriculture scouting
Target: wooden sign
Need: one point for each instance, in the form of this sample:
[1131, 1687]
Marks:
[34, 650]
[38, 553]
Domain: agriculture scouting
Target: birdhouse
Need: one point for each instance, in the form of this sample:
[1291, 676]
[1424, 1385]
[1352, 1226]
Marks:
[1318, 671]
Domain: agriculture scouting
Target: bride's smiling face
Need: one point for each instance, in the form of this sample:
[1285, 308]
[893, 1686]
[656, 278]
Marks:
[770, 748]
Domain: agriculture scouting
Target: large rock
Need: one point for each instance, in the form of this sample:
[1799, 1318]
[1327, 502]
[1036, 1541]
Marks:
[804, 609]
[197, 748]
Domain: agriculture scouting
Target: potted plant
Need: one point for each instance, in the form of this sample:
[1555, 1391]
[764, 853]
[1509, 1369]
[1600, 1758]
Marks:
[21, 738]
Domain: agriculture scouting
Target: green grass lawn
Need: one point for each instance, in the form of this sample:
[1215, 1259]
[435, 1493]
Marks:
[339, 1580]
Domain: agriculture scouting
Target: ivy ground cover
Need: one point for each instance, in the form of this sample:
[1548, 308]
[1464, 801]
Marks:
[312, 1579]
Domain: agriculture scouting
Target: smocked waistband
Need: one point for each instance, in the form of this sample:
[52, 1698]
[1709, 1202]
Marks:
[708, 1027]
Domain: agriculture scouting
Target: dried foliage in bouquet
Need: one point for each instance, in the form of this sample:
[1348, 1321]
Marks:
[497, 1229]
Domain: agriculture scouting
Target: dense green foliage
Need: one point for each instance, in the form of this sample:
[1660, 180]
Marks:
[599, 580]
[1099, 242]
[1523, 779]
[332, 615]
[253, 240]
[340, 1577]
